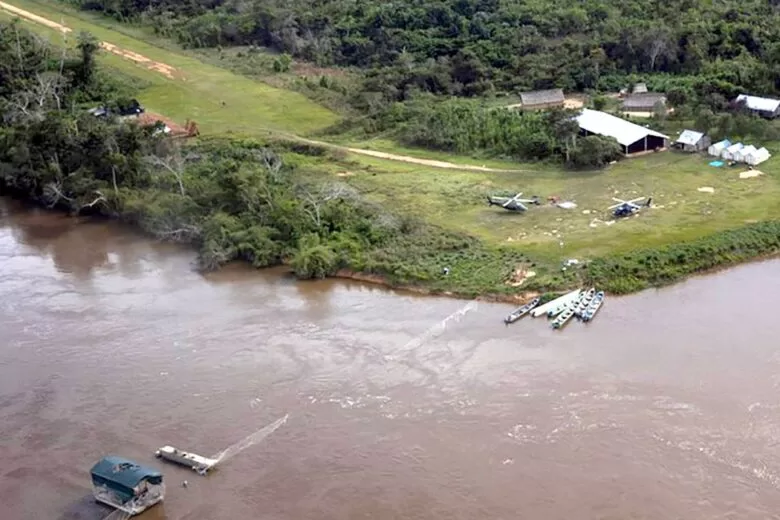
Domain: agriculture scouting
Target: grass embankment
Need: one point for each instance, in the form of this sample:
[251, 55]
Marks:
[686, 232]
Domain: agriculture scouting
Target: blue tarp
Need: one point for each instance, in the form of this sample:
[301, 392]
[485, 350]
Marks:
[122, 475]
[716, 164]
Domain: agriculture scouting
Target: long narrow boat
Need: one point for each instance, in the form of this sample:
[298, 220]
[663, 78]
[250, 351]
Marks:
[574, 304]
[584, 301]
[593, 307]
[555, 311]
[521, 311]
[566, 298]
[564, 317]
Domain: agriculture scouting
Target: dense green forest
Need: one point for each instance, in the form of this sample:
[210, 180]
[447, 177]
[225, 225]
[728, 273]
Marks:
[231, 199]
[469, 47]
[417, 61]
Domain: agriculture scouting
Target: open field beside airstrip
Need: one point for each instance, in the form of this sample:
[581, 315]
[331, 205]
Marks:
[227, 104]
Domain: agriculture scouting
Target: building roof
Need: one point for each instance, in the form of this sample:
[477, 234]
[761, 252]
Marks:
[123, 472]
[643, 100]
[746, 150]
[605, 124]
[759, 103]
[690, 137]
[640, 88]
[542, 97]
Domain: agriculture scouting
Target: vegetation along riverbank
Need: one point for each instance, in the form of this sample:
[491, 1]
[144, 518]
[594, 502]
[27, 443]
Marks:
[310, 155]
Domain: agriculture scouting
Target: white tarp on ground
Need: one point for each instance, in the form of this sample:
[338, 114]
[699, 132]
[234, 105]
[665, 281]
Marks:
[757, 157]
[716, 150]
[729, 152]
[740, 155]
[625, 132]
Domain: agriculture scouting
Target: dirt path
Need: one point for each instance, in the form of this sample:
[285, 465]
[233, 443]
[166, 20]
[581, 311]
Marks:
[403, 158]
[425, 162]
[172, 73]
[166, 70]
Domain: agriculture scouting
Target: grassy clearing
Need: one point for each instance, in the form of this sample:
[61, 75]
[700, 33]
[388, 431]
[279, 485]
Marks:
[456, 200]
[220, 101]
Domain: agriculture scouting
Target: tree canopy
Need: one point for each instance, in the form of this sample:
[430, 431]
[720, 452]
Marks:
[466, 47]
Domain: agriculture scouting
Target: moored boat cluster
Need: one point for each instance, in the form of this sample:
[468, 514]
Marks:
[582, 304]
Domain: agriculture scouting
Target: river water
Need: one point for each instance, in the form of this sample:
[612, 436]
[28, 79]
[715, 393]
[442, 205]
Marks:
[665, 407]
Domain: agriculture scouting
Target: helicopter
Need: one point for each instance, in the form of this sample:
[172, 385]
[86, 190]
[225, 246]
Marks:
[513, 203]
[625, 208]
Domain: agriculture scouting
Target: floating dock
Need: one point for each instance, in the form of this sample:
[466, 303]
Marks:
[196, 462]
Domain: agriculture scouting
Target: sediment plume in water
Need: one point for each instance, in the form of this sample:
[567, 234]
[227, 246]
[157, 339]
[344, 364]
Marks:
[234, 449]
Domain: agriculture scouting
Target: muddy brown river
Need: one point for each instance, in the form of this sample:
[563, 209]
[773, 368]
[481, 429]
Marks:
[400, 407]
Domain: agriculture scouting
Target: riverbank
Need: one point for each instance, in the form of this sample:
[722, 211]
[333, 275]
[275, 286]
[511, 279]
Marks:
[407, 222]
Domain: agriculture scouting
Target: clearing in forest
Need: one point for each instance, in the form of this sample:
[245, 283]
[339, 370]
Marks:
[162, 68]
[220, 101]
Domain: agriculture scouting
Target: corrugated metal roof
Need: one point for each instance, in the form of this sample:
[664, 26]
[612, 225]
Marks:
[759, 103]
[542, 97]
[690, 137]
[124, 472]
[643, 100]
[640, 88]
[605, 124]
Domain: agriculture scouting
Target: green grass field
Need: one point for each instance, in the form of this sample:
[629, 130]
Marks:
[250, 107]
[457, 200]
[452, 198]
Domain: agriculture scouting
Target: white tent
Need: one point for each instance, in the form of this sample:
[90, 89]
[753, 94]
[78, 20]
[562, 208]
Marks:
[716, 149]
[742, 153]
[757, 157]
[729, 152]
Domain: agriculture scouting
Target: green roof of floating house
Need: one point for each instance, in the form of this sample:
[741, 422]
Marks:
[122, 475]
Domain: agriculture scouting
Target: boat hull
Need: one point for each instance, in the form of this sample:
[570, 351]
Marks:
[132, 507]
[594, 307]
[195, 462]
[521, 311]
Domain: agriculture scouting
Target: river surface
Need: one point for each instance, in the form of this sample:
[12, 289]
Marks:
[400, 407]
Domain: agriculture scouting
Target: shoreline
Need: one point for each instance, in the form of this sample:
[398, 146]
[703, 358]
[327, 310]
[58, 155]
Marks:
[518, 298]
[379, 280]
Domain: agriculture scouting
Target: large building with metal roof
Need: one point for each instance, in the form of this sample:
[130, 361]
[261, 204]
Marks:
[764, 107]
[633, 138]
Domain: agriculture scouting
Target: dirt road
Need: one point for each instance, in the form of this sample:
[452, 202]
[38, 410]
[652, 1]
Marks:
[166, 70]
[172, 73]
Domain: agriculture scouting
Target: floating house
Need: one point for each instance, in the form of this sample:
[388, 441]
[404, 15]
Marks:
[729, 153]
[632, 138]
[692, 141]
[716, 149]
[125, 485]
[757, 157]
